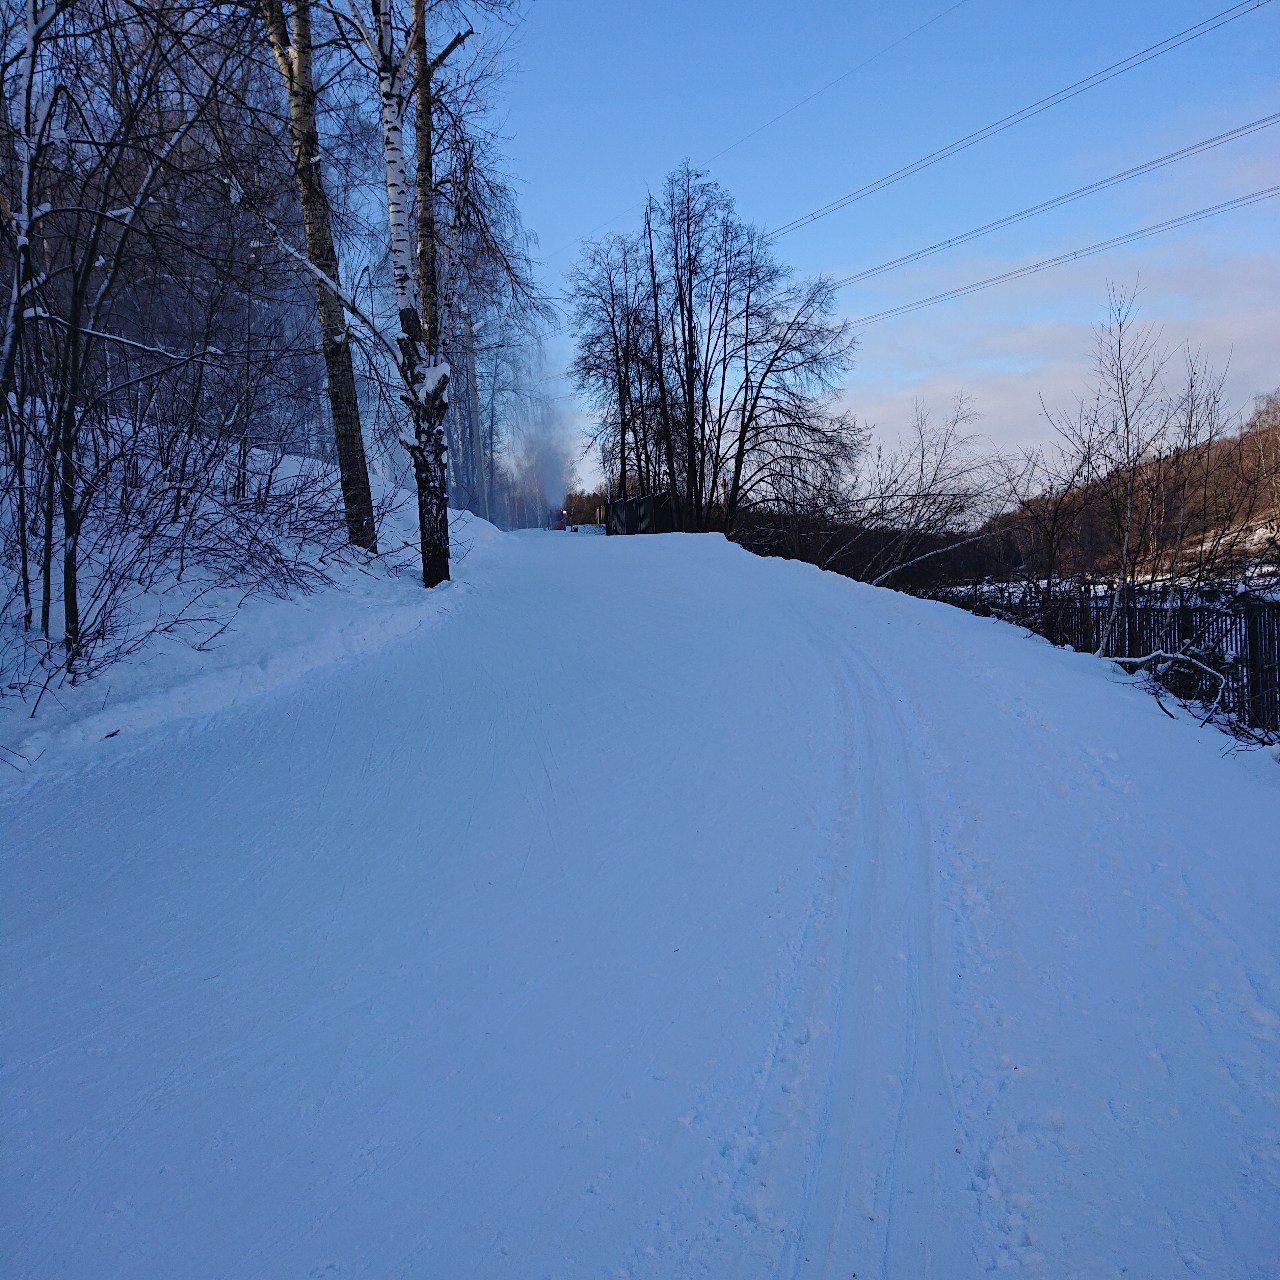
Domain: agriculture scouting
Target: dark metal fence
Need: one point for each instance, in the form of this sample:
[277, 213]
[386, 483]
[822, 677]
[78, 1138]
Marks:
[1240, 641]
[653, 513]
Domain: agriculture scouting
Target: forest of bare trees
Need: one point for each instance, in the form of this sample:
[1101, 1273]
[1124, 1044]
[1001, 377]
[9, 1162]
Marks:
[250, 253]
[1150, 484]
[714, 373]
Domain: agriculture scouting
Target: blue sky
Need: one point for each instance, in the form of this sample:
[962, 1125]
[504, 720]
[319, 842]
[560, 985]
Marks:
[608, 96]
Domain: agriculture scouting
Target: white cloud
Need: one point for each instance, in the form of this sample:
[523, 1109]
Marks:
[1033, 338]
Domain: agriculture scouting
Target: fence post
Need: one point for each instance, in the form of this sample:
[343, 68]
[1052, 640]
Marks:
[1255, 667]
[1186, 628]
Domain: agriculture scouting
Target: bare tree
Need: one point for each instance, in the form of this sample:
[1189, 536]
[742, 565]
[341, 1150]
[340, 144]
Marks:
[292, 45]
[711, 368]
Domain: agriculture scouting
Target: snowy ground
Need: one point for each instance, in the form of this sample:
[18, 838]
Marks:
[634, 907]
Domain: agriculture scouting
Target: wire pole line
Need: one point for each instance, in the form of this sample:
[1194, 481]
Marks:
[1150, 166]
[1167, 45]
[1142, 233]
[795, 106]
[844, 75]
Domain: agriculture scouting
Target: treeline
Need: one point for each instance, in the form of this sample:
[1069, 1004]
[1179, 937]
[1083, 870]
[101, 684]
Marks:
[250, 252]
[714, 373]
[1151, 485]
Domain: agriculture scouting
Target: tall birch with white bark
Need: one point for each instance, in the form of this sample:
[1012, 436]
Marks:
[404, 69]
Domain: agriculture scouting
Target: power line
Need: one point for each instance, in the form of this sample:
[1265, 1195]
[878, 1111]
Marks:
[1026, 113]
[1137, 171]
[831, 84]
[795, 106]
[1075, 255]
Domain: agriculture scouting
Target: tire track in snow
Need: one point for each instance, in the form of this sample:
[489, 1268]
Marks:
[887, 1189]
[752, 1151]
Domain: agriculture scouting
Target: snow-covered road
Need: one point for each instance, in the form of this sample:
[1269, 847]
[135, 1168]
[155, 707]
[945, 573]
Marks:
[651, 910]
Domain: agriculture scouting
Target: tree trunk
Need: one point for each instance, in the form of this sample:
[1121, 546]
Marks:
[46, 527]
[429, 452]
[664, 406]
[293, 54]
[67, 438]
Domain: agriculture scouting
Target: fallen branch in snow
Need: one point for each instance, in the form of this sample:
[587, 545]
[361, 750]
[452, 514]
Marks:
[1160, 660]
[880, 580]
[6, 752]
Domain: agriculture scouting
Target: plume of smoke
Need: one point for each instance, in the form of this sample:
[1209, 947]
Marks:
[550, 455]
[537, 468]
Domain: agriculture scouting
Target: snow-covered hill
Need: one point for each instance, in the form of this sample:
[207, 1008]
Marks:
[636, 907]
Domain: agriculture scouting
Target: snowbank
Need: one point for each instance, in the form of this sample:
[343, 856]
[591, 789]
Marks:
[267, 642]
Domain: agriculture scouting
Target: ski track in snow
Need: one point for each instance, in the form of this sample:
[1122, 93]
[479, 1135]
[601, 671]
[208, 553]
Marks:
[657, 911]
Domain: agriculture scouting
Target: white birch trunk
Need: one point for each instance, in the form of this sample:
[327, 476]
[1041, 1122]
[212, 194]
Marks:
[425, 376]
[391, 103]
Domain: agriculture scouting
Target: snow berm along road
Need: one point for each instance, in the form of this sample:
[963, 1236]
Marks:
[639, 908]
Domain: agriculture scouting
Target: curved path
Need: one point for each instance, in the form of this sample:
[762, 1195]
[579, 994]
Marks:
[650, 910]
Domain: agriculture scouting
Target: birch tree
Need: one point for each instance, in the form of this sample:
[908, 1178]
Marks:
[403, 72]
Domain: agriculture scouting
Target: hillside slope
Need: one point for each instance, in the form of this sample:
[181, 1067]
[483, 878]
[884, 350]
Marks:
[644, 909]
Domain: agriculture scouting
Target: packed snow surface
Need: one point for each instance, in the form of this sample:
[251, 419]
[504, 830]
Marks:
[634, 907]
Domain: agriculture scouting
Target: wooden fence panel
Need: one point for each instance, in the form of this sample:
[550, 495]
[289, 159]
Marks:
[1241, 641]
